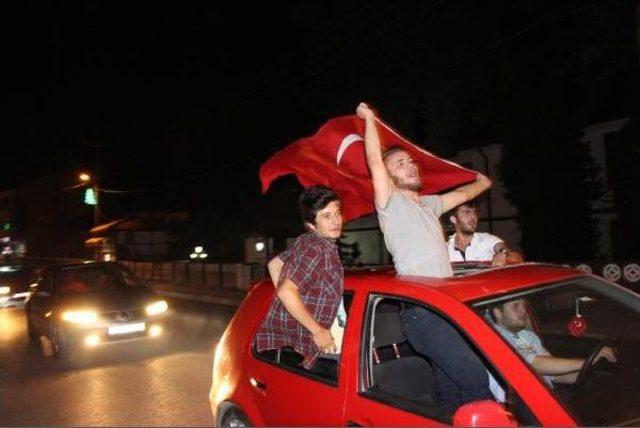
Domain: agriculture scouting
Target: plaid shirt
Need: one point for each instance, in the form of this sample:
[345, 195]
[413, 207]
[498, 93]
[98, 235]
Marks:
[313, 264]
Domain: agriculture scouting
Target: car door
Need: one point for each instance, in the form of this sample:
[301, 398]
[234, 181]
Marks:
[375, 408]
[372, 405]
[41, 303]
[290, 397]
[286, 394]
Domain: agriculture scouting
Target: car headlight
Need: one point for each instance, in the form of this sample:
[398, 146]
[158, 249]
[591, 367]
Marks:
[156, 308]
[80, 317]
[5, 290]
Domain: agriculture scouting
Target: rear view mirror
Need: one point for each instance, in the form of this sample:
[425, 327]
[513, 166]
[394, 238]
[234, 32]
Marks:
[485, 413]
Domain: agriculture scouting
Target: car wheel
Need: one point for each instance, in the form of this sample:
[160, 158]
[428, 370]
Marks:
[56, 341]
[234, 418]
[33, 335]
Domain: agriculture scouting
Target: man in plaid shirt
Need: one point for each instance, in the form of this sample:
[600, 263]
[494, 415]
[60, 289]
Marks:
[309, 279]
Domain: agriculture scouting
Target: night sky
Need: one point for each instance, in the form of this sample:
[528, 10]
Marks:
[183, 101]
[147, 83]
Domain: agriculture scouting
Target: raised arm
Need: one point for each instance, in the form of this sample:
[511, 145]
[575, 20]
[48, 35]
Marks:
[382, 184]
[465, 193]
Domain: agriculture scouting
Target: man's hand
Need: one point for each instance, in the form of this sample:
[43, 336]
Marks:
[483, 180]
[324, 341]
[499, 259]
[606, 353]
[364, 111]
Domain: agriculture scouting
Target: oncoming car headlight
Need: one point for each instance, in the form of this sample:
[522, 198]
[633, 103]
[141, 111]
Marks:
[156, 308]
[80, 317]
[5, 290]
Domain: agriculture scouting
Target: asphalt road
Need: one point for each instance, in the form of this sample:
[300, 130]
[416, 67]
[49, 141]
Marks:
[138, 383]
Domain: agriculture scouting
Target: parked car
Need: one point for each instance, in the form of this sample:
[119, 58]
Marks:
[15, 279]
[380, 380]
[85, 305]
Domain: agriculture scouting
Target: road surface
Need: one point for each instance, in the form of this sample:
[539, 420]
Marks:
[137, 383]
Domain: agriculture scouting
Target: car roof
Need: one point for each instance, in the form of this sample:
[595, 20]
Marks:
[478, 283]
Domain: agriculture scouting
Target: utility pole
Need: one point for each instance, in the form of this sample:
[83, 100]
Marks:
[96, 175]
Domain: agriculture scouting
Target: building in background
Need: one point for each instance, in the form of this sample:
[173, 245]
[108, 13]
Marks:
[499, 217]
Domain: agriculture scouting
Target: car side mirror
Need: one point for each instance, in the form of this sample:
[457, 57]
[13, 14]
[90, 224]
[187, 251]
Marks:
[484, 413]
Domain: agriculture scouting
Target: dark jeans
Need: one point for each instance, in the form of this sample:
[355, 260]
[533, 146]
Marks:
[460, 375]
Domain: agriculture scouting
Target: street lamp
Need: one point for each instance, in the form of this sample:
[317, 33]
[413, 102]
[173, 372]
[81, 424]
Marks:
[84, 177]
[198, 253]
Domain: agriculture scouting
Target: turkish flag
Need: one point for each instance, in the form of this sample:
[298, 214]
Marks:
[335, 157]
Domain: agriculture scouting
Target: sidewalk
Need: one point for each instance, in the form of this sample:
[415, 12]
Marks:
[215, 295]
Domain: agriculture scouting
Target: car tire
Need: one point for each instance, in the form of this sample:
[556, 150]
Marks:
[57, 342]
[234, 418]
[31, 331]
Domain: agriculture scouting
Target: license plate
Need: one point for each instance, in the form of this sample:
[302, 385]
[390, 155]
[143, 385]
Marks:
[127, 328]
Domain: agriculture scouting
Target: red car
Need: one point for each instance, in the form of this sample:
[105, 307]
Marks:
[378, 379]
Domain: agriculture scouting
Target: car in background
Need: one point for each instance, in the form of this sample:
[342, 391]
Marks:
[15, 280]
[87, 305]
[378, 379]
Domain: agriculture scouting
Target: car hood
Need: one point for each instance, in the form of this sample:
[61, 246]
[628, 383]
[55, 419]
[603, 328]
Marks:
[109, 300]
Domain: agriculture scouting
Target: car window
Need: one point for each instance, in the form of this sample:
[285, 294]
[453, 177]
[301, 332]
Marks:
[573, 320]
[325, 367]
[400, 376]
[88, 279]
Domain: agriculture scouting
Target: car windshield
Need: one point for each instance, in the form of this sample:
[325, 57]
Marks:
[577, 323]
[91, 279]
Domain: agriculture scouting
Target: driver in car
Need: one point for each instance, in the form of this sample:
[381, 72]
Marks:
[510, 319]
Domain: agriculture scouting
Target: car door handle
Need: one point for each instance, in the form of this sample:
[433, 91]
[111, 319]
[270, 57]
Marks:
[258, 384]
[359, 423]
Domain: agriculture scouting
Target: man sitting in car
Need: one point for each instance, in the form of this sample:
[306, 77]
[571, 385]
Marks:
[310, 282]
[510, 319]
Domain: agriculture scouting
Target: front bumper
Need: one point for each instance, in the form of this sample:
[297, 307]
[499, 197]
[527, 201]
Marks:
[105, 334]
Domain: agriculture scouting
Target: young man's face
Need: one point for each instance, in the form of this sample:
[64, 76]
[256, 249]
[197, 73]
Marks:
[328, 223]
[466, 220]
[403, 170]
[512, 316]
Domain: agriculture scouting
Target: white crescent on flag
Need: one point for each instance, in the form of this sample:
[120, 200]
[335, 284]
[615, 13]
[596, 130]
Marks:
[344, 145]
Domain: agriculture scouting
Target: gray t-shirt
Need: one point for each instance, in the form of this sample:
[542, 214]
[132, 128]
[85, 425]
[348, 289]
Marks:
[413, 235]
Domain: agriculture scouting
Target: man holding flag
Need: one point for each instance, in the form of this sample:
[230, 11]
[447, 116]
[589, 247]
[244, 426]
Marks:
[414, 237]
[410, 224]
